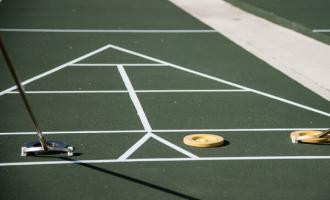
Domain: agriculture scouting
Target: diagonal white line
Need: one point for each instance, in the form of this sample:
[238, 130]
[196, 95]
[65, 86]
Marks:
[57, 68]
[133, 148]
[134, 98]
[185, 152]
[221, 80]
[239, 158]
[140, 113]
[144, 121]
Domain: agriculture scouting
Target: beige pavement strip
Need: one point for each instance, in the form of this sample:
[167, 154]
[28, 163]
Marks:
[302, 58]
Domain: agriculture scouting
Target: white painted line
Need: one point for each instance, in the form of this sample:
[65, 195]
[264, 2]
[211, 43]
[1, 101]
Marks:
[242, 158]
[235, 130]
[140, 113]
[71, 92]
[102, 31]
[133, 148]
[144, 121]
[222, 81]
[134, 99]
[321, 30]
[185, 152]
[74, 132]
[57, 68]
[184, 91]
[255, 91]
[122, 91]
[115, 65]
[163, 131]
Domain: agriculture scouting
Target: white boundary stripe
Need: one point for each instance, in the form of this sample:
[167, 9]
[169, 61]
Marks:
[222, 81]
[122, 91]
[321, 30]
[183, 91]
[71, 92]
[115, 65]
[235, 130]
[57, 68]
[134, 99]
[164, 131]
[75, 132]
[242, 158]
[103, 31]
[156, 137]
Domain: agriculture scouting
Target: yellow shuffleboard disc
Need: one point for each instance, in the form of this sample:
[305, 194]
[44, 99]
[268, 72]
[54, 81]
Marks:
[307, 137]
[203, 140]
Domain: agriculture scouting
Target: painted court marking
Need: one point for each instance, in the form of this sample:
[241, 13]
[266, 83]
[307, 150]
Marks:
[134, 98]
[74, 132]
[255, 158]
[321, 30]
[171, 65]
[235, 130]
[103, 31]
[115, 65]
[173, 146]
[71, 92]
[147, 128]
[221, 80]
[144, 121]
[56, 69]
[135, 147]
[194, 91]
[162, 131]
[123, 91]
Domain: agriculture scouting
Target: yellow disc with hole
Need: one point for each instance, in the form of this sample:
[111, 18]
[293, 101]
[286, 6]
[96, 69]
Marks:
[308, 137]
[203, 140]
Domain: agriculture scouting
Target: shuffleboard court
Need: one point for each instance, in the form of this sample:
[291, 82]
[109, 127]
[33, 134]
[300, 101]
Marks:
[126, 99]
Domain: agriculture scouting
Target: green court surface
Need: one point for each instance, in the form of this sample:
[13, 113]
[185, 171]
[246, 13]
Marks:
[126, 96]
[310, 17]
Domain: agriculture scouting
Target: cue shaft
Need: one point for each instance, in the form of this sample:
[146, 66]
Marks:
[23, 95]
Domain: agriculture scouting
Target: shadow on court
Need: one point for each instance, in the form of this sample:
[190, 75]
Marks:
[125, 177]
